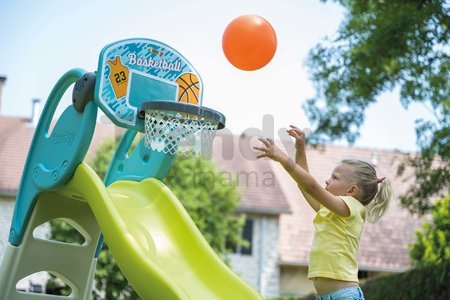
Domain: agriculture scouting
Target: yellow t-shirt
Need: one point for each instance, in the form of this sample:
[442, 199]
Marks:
[336, 242]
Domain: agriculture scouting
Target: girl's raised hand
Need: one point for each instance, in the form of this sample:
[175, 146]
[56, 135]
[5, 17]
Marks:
[270, 150]
[298, 135]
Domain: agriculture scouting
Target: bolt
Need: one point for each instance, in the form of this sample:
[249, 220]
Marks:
[55, 175]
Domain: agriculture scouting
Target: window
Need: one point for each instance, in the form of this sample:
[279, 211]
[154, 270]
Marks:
[35, 288]
[247, 235]
[363, 274]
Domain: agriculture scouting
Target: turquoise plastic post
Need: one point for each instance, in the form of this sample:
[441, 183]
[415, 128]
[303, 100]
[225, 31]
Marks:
[53, 158]
[140, 164]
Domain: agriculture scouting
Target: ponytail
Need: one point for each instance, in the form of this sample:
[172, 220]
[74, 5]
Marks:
[380, 204]
[375, 193]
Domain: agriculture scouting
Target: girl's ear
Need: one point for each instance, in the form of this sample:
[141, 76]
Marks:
[353, 190]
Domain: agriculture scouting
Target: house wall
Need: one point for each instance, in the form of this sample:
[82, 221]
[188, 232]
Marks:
[260, 269]
[6, 212]
[294, 281]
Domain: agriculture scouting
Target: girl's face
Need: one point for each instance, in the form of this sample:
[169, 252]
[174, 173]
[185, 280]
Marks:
[338, 184]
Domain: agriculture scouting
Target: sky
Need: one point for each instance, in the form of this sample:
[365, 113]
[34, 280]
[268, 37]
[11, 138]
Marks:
[41, 40]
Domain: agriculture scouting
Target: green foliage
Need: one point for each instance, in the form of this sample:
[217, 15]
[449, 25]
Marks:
[432, 167]
[103, 155]
[110, 280]
[432, 245]
[56, 287]
[381, 45]
[66, 233]
[421, 283]
[307, 297]
[210, 200]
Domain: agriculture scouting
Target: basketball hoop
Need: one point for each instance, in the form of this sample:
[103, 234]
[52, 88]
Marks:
[180, 128]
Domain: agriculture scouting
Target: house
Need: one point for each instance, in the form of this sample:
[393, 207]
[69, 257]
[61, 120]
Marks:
[279, 221]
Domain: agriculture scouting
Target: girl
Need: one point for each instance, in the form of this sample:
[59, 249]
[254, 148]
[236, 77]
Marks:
[351, 194]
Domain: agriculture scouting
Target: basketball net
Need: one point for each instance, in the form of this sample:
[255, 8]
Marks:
[179, 133]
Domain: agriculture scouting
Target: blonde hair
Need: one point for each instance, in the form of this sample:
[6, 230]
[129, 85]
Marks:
[374, 193]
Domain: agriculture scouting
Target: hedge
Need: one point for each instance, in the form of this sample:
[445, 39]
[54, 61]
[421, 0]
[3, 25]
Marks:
[429, 283]
[422, 283]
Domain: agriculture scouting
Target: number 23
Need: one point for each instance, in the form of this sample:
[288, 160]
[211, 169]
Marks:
[120, 77]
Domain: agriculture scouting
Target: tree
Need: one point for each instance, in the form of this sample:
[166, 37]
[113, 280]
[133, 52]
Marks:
[432, 244]
[379, 46]
[210, 201]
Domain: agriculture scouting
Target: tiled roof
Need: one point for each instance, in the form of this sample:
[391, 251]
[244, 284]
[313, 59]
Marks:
[15, 139]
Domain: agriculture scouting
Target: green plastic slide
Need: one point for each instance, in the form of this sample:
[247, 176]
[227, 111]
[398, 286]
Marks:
[154, 241]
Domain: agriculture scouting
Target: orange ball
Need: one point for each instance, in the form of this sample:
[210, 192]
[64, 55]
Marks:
[249, 42]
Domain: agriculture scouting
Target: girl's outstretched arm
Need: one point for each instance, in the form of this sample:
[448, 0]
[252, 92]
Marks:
[305, 181]
[302, 161]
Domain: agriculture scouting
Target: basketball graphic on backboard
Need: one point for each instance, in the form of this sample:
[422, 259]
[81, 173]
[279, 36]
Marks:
[189, 88]
[133, 71]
